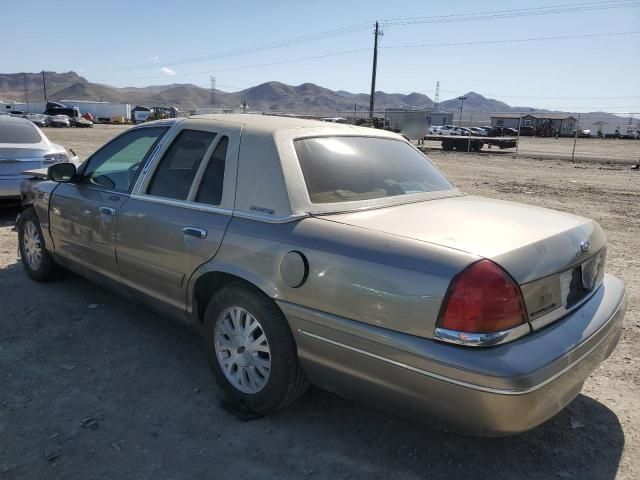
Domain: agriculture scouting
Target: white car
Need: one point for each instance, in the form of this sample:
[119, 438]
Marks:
[451, 130]
[23, 147]
[480, 132]
[60, 121]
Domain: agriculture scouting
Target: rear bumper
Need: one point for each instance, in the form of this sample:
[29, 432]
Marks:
[498, 390]
[10, 186]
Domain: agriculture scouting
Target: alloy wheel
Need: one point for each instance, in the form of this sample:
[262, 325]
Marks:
[242, 350]
[31, 245]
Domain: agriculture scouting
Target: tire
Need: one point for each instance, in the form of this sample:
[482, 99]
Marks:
[250, 385]
[36, 260]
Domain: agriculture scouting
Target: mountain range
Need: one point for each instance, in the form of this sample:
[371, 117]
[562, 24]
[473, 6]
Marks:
[266, 97]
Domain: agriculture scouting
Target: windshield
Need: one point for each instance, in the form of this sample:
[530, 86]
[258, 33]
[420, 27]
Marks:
[344, 169]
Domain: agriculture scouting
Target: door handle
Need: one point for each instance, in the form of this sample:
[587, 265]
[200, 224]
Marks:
[107, 211]
[195, 232]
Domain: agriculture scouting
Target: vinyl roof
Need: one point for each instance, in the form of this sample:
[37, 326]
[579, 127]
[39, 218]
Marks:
[273, 123]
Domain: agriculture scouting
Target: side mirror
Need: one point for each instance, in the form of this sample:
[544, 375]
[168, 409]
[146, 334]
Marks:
[61, 172]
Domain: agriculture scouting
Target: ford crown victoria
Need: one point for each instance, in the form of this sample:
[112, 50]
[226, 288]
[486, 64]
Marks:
[319, 252]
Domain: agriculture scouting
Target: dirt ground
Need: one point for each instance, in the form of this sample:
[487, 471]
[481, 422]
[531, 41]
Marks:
[92, 386]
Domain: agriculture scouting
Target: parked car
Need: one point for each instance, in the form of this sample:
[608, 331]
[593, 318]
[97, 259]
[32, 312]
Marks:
[490, 131]
[509, 132]
[83, 123]
[584, 133]
[71, 113]
[306, 256]
[60, 121]
[36, 119]
[478, 132]
[23, 146]
[453, 130]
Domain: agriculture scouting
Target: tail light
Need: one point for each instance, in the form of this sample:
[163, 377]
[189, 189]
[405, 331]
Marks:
[482, 299]
[60, 157]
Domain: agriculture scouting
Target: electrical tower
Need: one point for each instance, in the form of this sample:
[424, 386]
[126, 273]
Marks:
[213, 90]
[436, 98]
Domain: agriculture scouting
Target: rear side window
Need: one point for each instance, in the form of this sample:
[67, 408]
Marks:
[177, 169]
[343, 169]
[13, 130]
[210, 191]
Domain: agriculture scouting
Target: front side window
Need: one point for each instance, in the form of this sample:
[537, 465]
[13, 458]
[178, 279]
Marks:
[177, 169]
[344, 169]
[116, 165]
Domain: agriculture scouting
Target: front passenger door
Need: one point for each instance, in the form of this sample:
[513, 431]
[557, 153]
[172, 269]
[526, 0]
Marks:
[84, 212]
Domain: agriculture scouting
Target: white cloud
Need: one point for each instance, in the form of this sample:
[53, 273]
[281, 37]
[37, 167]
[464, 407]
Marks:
[167, 71]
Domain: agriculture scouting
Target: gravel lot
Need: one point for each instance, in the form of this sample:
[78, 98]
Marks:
[96, 387]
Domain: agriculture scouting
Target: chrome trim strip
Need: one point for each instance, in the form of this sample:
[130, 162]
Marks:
[210, 208]
[183, 204]
[481, 339]
[263, 218]
[473, 386]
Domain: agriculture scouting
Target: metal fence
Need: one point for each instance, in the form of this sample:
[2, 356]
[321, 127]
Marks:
[600, 136]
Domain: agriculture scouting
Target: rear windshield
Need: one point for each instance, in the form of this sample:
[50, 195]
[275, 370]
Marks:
[346, 169]
[18, 131]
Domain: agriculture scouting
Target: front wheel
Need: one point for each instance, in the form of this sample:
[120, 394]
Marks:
[251, 350]
[37, 262]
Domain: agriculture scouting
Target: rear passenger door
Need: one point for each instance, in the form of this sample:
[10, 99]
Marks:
[177, 215]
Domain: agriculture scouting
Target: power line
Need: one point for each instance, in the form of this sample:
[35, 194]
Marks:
[513, 13]
[516, 40]
[463, 17]
[254, 49]
[391, 47]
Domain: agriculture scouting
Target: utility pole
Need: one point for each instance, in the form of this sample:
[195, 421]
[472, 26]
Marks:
[436, 98]
[44, 86]
[213, 90]
[462, 99]
[377, 33]
[26, 91]
[575, 140]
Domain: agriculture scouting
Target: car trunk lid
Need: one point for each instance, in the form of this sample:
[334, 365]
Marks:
[15, 160]
[545, 251]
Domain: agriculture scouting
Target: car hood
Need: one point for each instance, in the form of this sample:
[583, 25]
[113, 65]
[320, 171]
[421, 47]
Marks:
[529, 242]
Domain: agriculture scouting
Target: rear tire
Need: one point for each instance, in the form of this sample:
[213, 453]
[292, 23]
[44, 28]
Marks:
[251, 350]
[36, 260]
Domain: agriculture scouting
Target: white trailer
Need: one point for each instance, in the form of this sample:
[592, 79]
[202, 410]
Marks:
[412, 123]
[31, 107]
[104, 111]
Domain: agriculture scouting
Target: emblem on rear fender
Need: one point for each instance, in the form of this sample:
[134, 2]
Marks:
[585, 245]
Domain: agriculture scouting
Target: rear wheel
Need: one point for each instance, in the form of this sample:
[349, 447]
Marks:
[36, 260]
[251, 350]
[447, 145]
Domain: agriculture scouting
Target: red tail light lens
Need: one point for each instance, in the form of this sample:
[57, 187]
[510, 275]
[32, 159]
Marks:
[483, 298]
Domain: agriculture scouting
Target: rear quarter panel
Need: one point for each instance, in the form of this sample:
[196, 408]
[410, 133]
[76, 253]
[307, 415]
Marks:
[354, 273]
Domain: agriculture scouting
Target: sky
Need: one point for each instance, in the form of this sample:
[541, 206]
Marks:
[465, 45]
